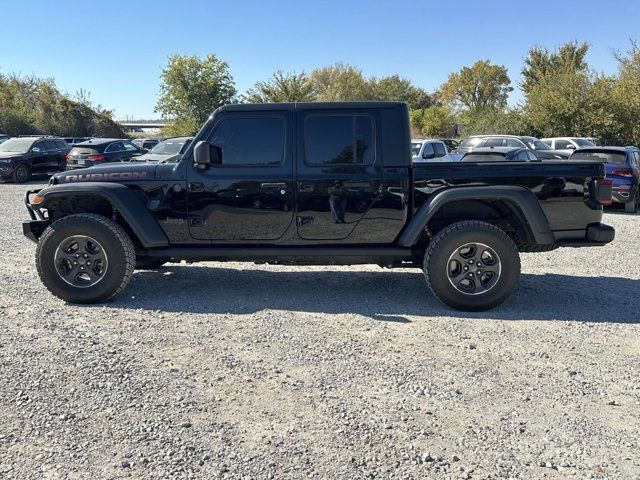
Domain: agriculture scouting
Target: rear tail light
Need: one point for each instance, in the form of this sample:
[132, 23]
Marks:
[69, 158]
[623, 172]
[96, 158]
[604, 190]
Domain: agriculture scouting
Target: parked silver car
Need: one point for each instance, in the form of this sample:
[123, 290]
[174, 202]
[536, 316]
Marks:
[541, 150]
[567, 145]
[166, 151]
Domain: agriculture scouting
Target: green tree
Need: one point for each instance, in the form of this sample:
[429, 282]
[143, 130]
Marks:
[31, 105]
[626, 93]
[480, 86]
[509, 121]
[282, 87]
[432, 122]
[192, 88]
[339, 83]
[541, 63]
[395, 88]
[564, 97]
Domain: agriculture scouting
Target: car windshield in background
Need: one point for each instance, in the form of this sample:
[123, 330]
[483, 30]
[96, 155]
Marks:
[168, 147]
[535, 144]
[584, 143]
[16, 145]
[470, 142]
[415, 148]
[614, 158]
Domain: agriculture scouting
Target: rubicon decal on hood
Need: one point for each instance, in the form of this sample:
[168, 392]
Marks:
[104, 177]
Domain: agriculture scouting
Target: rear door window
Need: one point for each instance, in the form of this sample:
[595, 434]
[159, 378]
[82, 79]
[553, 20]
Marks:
[440, 149]
[562, 144]
[115, 147]
[50, 145]
[514, 142]
[339, 140]
[493, 142]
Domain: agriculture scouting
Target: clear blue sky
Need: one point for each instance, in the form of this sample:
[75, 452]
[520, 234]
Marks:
[116, 49]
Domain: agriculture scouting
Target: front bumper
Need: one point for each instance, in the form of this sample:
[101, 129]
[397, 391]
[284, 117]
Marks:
[5, 170]
[34, 228]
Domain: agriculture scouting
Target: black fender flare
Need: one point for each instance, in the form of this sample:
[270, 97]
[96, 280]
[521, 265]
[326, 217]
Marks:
[129, 206]
[523, 199]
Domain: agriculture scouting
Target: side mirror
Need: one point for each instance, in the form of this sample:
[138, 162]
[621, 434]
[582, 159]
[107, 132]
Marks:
[428, 155]
[35, 150]
[205, 154]
[571, 147]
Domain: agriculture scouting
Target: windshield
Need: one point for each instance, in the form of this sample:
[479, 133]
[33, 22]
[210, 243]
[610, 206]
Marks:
[168, 147]
[583, 142]
[16, 145]
[415, 148]
[470, 142]
[606, 157]
[535, 144]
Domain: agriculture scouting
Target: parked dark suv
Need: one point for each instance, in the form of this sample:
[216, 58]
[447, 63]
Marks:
[102, 150]
[20, 157]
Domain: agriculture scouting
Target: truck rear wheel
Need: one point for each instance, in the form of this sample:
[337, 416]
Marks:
[85, 258]
[472, 265]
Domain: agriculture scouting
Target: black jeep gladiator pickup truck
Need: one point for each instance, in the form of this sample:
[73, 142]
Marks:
[310, 184]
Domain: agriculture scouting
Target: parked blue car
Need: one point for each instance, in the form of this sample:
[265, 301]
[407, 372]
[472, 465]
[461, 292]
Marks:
[622, 167]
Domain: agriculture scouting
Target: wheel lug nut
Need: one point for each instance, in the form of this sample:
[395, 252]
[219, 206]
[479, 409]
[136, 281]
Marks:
[479, 264]
[75, 262]
[81, 268]
[470, 262]
[471, 275]
[85, 255]
[466, 268]
[77, 255]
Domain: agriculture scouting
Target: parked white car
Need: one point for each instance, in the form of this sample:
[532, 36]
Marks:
[424, 150]
[567, 145]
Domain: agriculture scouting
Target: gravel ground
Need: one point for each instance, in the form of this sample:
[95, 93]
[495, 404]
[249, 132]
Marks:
[228, 370]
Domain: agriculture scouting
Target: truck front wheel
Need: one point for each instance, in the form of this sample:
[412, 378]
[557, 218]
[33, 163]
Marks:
[472, 265]
[85, 258]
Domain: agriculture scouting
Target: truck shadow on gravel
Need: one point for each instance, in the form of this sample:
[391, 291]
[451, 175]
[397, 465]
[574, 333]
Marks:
[392, 296]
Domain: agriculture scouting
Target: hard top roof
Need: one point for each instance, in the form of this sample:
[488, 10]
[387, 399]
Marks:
[242, 107]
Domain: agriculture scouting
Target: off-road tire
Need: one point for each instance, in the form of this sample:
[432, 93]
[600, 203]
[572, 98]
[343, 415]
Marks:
[449, 240]
[18, 177]
[116, 244]
[150, 263]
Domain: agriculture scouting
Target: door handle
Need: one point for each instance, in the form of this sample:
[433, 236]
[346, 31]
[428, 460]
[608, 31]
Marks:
[274, 185]
[196, 187]
[306, 188]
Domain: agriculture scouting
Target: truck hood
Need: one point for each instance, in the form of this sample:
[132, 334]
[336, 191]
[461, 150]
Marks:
[109, 172]
[10, 155]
